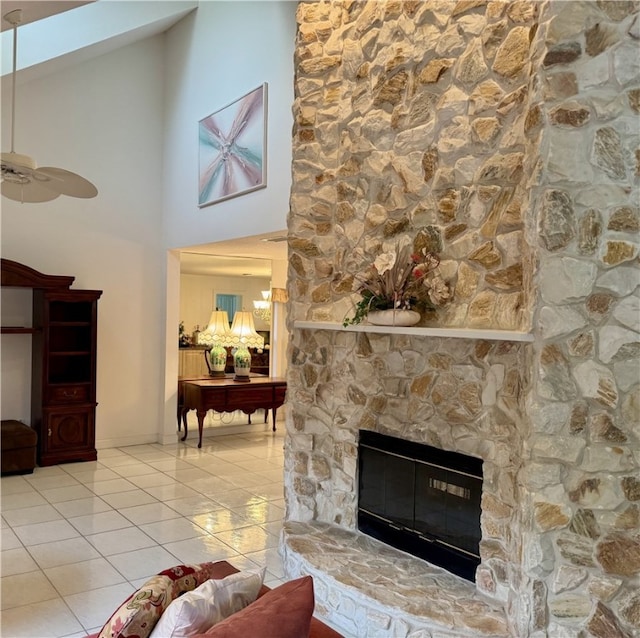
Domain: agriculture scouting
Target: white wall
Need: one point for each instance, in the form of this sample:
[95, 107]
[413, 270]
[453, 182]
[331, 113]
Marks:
[15, 363]
[128, 121]
[101, 119]
[214, 56]
[197, 294]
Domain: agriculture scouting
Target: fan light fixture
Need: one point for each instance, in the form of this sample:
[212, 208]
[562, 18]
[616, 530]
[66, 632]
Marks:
[22, 181]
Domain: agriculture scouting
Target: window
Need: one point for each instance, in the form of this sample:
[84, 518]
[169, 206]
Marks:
[230, 303]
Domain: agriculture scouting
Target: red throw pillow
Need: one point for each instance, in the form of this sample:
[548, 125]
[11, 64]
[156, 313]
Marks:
[138, 615]
[284, 612]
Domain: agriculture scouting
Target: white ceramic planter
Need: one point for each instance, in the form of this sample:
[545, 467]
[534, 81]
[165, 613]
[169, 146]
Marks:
[393, 317]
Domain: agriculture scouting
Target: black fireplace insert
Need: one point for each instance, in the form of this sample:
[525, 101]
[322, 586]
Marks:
[422, 500]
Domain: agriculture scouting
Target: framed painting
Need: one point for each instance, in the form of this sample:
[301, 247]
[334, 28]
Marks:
[232, 149]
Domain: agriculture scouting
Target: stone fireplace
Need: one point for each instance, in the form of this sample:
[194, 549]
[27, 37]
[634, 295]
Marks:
[450, 393]
[505, 136]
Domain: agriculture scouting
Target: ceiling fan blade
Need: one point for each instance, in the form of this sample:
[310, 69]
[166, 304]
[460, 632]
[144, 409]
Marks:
[65, 182]
[30, 192]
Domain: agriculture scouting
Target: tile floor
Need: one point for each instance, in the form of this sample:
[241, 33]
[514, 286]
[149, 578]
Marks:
[78, 538]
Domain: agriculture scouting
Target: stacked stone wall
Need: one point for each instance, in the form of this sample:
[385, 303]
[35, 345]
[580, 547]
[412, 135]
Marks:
[505, 134]
[411, 118]
[582, 473]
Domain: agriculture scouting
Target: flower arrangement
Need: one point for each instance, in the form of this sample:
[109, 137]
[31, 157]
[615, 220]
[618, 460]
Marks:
[401, 279]
[184, 340]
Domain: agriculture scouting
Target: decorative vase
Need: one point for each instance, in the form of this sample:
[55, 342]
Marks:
[393, 317]
[218, 360]
[242, 363]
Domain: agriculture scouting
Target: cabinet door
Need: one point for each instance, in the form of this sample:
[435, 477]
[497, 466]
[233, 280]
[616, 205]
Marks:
[68, 435]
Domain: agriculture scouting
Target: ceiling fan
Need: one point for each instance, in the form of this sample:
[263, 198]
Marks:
[22, 180]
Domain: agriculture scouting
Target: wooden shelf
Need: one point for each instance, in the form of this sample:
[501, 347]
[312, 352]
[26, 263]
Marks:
[18, 330]
[449, 333]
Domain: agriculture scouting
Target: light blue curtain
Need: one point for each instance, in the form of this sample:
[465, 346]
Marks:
[230, 303]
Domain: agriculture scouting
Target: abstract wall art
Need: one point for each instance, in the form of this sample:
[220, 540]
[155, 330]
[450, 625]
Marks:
[232, 149]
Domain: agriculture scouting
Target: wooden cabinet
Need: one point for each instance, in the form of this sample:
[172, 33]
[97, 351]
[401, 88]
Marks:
[63, 364]
[63, 390]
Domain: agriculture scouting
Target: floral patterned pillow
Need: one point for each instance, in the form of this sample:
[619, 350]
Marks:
[138, 615]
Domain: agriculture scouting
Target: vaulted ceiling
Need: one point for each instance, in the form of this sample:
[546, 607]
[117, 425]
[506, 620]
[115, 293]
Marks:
[97, 27]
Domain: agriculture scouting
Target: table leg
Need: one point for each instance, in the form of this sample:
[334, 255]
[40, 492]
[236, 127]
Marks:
[184, 417]
[274, 419]
[201, 415]
[266, 414]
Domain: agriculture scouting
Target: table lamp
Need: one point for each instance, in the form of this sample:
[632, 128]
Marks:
[243, 336]
[217, 336]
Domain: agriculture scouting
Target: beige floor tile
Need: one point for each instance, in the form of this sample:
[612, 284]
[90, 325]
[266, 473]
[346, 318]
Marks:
[130, 498]
[114, 486]
[101, 522]
[211, 485]
[171, 464]
[110, 452]
[16, 561]
[237, 498]
[156, 479]
[40, 483]
[149, 513]
[83, 507]
[38, 533]
[82, 468]
[93, 476]
[174, 514]
[256, 465]
[20, 500]
[171, 492]
[268, 492]
[120, 541]
[232, 456]
[171, 530]
[248, 539]
[24, 589]
[143, 563]
[70, 493]
[94, 607]
[63, 552]
[193, 505]
[220, 520]
[270, 558]
[272, 476]
[46, 619]
[14, 485]
[8, 540]
[137, 469]
[201, 549]
[263, 512]
[116, 462]
[29, 515]
[78, 577]
[189, 475]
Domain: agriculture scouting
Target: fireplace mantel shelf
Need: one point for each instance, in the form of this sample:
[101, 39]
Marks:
[454, 333]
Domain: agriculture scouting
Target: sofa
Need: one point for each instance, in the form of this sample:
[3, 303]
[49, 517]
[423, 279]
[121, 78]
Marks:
[283, 612]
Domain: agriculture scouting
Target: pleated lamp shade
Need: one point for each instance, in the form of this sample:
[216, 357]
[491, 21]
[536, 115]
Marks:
[243, 331]
[217, 332]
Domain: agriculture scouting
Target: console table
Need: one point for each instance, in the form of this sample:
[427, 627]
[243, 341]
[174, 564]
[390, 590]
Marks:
[227, 395]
